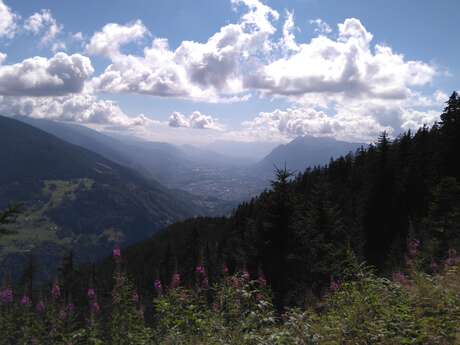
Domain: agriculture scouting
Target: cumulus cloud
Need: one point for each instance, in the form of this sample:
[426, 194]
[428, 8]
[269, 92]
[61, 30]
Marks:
[350, 121]
[321, 27]
[44, 23]
[38, 76]
[194, 120]
[208, 71]
[244, 58]
[8, 21]
[347, 67]
[81, 108]
[2, 57]
[108, 41]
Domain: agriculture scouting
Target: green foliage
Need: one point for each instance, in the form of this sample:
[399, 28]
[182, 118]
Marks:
[363, 309]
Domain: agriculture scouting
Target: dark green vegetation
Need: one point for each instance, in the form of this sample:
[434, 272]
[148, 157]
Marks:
[394, 205]
[75, 199]
[363, 309]
[298, 233]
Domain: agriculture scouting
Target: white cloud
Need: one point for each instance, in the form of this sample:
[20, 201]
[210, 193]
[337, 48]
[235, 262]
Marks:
[2, 57]
[38, 76]
[108, 41]
[8, 21]
[321, 27]
[44, 22]
[210, 71]
[81, 108]
[289, 41]
[194, 120]
[347, 67]
[349, 121]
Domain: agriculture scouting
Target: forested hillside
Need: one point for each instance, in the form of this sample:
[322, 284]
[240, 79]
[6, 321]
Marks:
[364, 249]
[75, 199]
[372, 201]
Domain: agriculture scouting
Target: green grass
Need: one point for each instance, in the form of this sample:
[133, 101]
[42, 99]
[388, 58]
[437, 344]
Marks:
[33, 227]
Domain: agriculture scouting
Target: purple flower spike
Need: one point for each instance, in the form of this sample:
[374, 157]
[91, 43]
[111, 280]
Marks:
[25, 301]
[91, 293]
[70, 308]
[135, 297]
[56, 290]
[205, 283]
[95, 308]
[246, 275]
[413, 247]
[6, 295]
[175, 281]
[334, 286]
[40, 307]
[401, 278]
[262, 280]
[158, 286]
[116, 253]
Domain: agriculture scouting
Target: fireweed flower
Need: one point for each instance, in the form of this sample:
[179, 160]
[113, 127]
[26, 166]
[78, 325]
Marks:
[56, 290]
[116, 253]
[70, 308]
[246, 275]
[334, 285]
[434, 266]
[262, 280]
[225, 270]
[25, 301]
[412, 247]
[175, 281]
[91, 293]
[40, 307]
[401, 278]
[6, 295]
[205, 283]
[200, 270]
[158, 286]
[95, 308]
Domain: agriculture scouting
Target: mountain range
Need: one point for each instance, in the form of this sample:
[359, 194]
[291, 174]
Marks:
[82, 189]
[76, 199]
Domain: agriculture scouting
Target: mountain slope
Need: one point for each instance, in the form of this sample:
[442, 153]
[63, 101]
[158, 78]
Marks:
[74, 198]
[219, 181]
[304, 152]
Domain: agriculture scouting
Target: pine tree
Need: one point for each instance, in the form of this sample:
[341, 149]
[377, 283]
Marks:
[450, 135]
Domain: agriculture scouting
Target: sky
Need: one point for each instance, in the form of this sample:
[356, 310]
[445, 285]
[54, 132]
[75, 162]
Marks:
[239, 70]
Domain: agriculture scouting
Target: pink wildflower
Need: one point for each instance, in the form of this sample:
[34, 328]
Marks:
[135, 297]
[56, 290]
[158, 286]
[91, 293]
[262, 280]
[25, 301]
[6, 295]
[401, 278]
[334, 285]
[200, 270]
[95, 308]
[175, 281]
[116, 253]
[40, 307]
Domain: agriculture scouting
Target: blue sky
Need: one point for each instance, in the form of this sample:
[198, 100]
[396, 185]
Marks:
[261, 87]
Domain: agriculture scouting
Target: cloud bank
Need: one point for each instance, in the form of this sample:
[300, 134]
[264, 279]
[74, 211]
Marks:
[340, 83]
